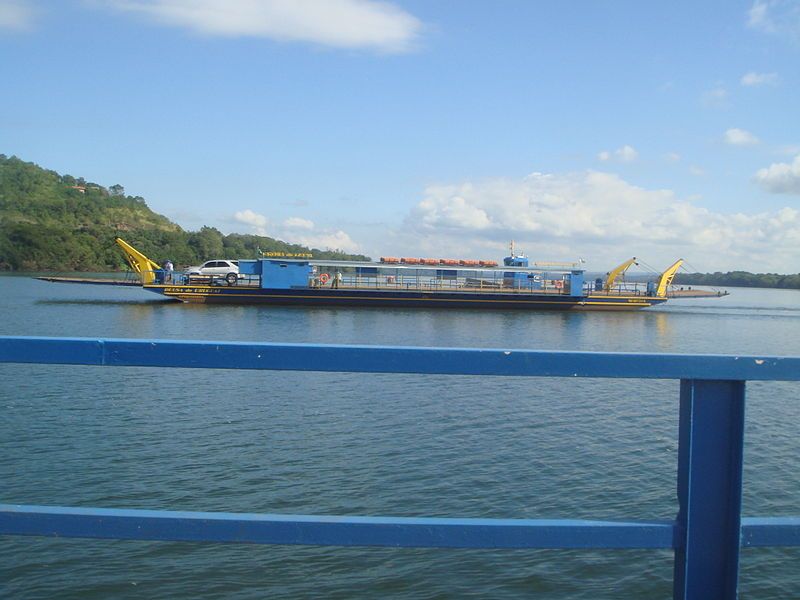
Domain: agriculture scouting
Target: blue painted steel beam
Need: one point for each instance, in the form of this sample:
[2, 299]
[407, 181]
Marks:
[331, 530]
[52, 521]
[392, 359]
[710, 444]
[770, 531]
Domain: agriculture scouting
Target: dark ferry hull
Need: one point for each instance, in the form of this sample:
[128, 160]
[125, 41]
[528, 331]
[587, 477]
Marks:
[399, 298]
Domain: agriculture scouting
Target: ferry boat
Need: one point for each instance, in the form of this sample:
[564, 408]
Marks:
[406, 282]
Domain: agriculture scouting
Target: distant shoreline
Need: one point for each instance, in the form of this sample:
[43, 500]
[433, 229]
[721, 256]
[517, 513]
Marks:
[740, 279]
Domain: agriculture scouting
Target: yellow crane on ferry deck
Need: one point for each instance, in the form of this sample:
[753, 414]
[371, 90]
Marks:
[664, 280]
[616, 272]
[139, 262]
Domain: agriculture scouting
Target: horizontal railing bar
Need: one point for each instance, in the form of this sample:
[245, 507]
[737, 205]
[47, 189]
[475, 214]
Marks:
[52, 521]
[770, 531]
[393, 359]
[405, 532]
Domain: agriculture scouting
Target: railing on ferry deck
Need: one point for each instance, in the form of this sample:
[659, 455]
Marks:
[382, 282]
[162, 277]
[414, 281]
[461, 284]
[443, 285]
[706, 535]
[408, 282]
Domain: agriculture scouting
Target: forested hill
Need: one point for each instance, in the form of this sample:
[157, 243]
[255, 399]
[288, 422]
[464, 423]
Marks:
[740, 279]
[52, 222]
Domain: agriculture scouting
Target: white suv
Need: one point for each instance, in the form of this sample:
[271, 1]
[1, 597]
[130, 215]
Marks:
[229, 269]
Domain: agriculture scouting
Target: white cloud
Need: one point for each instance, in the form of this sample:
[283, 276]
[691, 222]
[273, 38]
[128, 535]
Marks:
[339, 23]
[697, 171]
[625, 154]
[16, 15]
[758, 16]
[298, 223]
[456, 213]
[296, 230]
[781, 17]
[753, 79]
[253, 219]
[672, 156]
[597, 215]
[715, 98]
[781, 178]
[331, 240]
[740, 137]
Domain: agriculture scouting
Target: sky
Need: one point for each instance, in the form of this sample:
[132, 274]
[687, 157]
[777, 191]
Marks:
[598, 129]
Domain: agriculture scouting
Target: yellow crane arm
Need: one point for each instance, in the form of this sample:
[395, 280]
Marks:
[666, 278]
[614, 273]
[138, 261]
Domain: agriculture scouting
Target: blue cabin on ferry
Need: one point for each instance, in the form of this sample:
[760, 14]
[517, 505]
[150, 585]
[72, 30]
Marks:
[520, 280]
[278, 274]
[573, 283]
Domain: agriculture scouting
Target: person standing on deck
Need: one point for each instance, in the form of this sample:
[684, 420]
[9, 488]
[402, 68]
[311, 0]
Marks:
[337, 279]
[168, 268]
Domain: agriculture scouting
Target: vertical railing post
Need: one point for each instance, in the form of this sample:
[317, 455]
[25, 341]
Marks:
[711, 438]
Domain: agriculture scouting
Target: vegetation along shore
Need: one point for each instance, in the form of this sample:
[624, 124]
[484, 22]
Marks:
[53, 222]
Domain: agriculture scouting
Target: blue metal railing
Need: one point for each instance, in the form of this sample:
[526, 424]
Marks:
[706, 535]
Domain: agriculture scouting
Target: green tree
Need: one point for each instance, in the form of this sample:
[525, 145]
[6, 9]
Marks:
[207, 243]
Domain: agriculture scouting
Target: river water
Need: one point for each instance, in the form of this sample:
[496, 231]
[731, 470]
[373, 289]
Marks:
[361, 444]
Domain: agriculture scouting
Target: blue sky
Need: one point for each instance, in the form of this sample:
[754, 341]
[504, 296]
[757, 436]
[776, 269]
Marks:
[445, 128]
